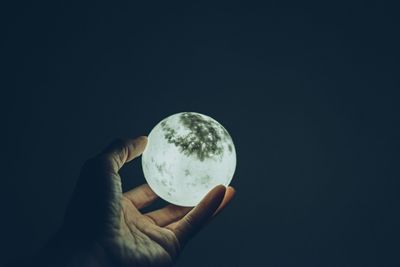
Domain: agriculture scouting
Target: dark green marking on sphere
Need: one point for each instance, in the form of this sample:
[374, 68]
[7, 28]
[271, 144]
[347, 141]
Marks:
[204, 140]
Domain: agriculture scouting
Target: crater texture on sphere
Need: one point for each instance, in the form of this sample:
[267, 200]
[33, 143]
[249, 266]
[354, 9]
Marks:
[186, 156]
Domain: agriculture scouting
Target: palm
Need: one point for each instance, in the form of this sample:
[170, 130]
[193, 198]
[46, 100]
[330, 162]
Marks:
[139, 241]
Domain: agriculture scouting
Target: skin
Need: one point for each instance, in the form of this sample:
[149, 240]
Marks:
[105, 227]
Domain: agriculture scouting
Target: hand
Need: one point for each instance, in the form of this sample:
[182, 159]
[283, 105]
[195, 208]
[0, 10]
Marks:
[100, 214]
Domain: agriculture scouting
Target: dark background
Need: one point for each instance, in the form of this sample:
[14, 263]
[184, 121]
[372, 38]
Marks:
[308, 91]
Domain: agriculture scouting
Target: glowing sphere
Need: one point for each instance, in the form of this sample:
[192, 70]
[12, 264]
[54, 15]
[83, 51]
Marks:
[188, 154]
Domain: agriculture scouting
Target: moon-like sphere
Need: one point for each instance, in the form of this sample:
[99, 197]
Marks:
[188, 154]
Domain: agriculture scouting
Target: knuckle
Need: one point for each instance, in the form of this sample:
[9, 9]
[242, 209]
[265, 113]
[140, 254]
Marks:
[119, 150]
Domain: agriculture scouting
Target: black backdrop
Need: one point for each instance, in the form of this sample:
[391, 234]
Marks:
[308, 92]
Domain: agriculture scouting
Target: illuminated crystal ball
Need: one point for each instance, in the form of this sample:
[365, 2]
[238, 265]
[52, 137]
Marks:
[187, 155]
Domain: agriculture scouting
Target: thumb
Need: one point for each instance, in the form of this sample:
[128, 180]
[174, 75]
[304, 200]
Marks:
[194, 221]
[124, 150]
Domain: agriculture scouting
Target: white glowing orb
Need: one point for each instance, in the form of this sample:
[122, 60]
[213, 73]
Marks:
[188, 154]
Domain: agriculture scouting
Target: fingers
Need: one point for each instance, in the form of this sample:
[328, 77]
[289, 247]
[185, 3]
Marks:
[168, 214]
[122, 151]
[189, 225]
[171, 213]
[141, 196]
[229, 194]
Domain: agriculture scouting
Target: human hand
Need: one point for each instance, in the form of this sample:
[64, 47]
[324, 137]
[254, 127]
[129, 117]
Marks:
[101, 215]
